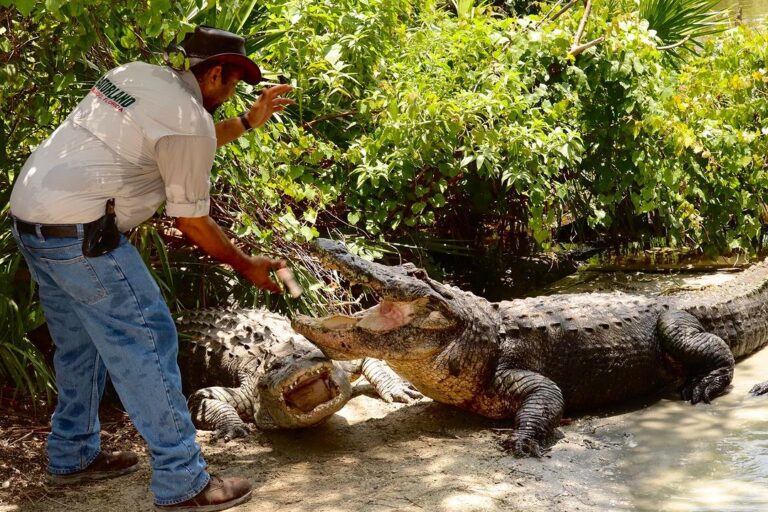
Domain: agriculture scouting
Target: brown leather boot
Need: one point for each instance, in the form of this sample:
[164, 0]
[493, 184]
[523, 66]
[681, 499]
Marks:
[219, 494]
[105, 465]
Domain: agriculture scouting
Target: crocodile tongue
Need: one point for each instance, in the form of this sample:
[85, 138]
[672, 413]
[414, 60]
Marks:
[309, 394]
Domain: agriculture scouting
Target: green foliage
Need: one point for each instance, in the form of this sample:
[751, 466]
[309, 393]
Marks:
[20, 362]
[714, 125]
[447, 118]
[464, 111]
[469, 8]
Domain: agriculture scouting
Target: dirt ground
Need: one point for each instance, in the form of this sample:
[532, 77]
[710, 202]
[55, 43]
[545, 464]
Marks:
[374, 456]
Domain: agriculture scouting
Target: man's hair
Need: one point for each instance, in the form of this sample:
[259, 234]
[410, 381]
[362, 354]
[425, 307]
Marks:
[227, 69]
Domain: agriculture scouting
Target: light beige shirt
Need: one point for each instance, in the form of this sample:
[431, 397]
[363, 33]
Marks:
[141, 136]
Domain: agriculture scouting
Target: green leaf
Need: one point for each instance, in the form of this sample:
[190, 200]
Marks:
[308, 233]
[438, 200]
[25, 7]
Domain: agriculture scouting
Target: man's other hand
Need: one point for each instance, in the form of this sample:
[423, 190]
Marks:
[269, 102]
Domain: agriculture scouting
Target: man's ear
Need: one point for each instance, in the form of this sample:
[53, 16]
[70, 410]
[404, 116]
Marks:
[214, 75]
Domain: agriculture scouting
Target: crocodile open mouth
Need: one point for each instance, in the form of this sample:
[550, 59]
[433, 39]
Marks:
[311, 390]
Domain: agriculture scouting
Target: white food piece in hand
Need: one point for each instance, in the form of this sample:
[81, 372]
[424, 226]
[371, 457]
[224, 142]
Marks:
[286, 276]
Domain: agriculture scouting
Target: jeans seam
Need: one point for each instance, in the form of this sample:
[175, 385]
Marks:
[93, 411]
[157, 361]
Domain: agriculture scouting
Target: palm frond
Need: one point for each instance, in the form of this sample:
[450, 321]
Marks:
[682, 24]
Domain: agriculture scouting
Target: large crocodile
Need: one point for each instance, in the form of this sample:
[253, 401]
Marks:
[528, 360]
[274, 376]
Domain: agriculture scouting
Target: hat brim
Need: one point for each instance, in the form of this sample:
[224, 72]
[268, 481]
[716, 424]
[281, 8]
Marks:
[251, 72]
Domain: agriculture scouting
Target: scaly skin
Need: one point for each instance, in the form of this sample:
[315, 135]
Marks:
[275, 377]
[529, 360]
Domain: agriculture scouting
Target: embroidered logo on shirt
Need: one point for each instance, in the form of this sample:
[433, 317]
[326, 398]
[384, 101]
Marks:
[112, 94]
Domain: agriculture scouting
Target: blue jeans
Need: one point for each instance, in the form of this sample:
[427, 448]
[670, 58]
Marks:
[106, 314]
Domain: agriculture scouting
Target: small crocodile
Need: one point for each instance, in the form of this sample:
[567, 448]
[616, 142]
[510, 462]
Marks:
[528, 360]
[273, 376]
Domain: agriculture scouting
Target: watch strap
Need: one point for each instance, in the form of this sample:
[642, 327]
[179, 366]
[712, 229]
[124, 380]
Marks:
[244, 121]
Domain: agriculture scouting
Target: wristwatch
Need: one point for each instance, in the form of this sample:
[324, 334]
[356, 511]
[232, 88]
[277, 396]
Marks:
[244, 121]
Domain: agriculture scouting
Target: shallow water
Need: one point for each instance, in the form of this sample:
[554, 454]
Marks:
[676, 457]
[751, 9]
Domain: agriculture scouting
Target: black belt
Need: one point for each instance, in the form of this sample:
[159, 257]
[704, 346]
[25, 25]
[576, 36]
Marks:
[49, 230]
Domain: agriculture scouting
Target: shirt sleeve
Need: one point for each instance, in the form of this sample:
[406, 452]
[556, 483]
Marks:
[185, 163]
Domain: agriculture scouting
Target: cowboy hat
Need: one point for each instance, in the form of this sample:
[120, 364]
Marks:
[209, 44]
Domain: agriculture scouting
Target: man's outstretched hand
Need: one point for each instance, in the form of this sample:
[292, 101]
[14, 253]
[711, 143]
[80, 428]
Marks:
[209, 237]
[257, 269]
[269, 102]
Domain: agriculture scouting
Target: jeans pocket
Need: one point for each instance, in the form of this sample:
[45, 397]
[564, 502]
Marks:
[76, 277]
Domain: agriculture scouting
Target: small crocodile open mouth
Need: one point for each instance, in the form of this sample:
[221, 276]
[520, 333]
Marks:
[311, 390]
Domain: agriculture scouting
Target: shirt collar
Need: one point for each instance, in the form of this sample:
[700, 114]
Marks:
[190, 82]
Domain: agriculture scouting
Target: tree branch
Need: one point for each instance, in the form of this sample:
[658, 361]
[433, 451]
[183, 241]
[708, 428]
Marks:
[561, 11]
[579, 49]
[582, 25]
[318, 120]
[540, 23]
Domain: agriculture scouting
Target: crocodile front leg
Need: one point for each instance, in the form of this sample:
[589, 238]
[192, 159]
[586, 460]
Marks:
[538, 403]
[759, 389]
[706, 356]
[385, 382]
[220, 409]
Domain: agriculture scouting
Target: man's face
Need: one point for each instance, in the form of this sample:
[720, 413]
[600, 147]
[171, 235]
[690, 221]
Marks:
[217, 88]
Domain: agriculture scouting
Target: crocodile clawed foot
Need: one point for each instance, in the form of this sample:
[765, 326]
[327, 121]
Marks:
[703, 388]
[227, 434]
[522, 446]
[759, 389]
[404, 395]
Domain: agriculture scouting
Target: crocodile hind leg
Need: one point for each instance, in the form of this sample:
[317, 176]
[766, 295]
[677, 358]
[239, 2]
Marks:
[706, 357]
[539, 404]
[220, 409]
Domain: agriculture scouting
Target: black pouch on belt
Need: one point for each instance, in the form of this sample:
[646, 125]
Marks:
[102, 235]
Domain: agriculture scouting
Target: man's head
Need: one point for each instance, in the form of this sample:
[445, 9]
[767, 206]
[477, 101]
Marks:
[217, 82]
[219, 62]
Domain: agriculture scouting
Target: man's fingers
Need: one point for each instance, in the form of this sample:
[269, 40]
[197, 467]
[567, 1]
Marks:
[283, 101]
[276, 90]
[269, 286]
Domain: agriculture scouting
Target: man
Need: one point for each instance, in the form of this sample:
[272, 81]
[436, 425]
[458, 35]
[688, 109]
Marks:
[143, 135]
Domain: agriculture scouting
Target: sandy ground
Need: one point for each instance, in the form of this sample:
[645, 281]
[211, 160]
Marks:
[659, 456]
[379, 457]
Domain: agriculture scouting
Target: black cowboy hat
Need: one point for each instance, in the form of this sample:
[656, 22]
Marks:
[208, 44]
